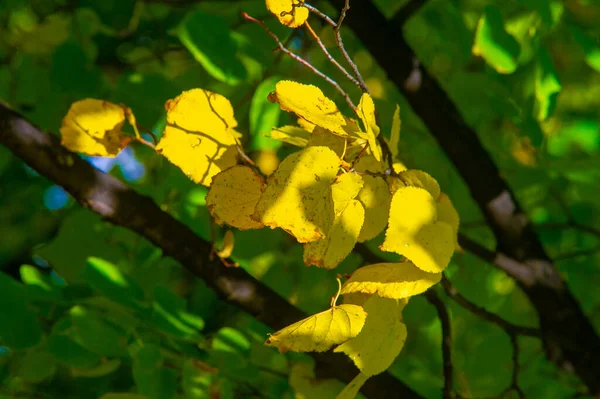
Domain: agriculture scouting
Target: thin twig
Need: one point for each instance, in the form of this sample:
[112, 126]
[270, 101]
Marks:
[507, 326]
[328, 54]
[444, 317]
[575, 254]
[338, 40]
[301, 60]
[514, 381]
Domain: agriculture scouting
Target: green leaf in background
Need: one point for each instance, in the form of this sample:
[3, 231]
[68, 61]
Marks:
[590, 47]
[230, 350]
[264, 116]
[93, 333]
[66, 351]
[38, 284]
[209, 39]
[112, 283]
[19, 324]
[169, 314]
[152, 378]
[497, 47]
[547, 85]
[102, 369]
[36, 366]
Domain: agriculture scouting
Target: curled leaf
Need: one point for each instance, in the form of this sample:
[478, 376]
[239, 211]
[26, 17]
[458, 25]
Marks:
[289, 12]
[93, 127]
[233, 195]
[293, 135]
[228, 243]
[366, 112]
[321, 331]
[390, 280]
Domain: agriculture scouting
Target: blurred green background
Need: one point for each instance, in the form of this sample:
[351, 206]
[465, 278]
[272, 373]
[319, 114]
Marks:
[527, 80]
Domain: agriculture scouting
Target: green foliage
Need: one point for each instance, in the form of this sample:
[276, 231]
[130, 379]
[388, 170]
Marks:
[100, 313]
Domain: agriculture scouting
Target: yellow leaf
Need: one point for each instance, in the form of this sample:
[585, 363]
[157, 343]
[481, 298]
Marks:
[351, 390]
[267, 162]
[414, 231]
[447, 213]
[306, 385]
[382, 338]
[395, 133]
[418, 178]
[309, 102]
[331, 250]
[323, 137]
[390, 280]
[233, 196]
[366, 112]
[289, 12]
[298, 195]
[293, 135]
[93, 127]
[399, 167]
[228, 243]
[199, 137]
[343, 190]
[321, 331]
[375, 197]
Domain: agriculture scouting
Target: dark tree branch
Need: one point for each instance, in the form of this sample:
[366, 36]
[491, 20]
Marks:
[444, 317]
[569, 338]
[122, 206]
[510, 328]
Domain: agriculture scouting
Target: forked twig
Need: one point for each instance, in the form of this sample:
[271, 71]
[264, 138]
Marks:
[338, 40]
[328, 54]
[301, 60]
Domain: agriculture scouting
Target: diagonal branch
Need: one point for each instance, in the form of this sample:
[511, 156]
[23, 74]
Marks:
[569, 338]
[444, 317]
[122, 206]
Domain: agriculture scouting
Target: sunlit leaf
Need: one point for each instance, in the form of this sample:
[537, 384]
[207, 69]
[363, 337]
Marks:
[321, 331]
[200, 137]
[289, 12]
[382, 338]
[298, 194]
[93, 127]
[309, 102]
[414, 231]
[233, 195]
[390, 280]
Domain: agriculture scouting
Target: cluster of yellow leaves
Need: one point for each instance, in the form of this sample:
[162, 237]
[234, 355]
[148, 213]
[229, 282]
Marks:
[335, 191]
